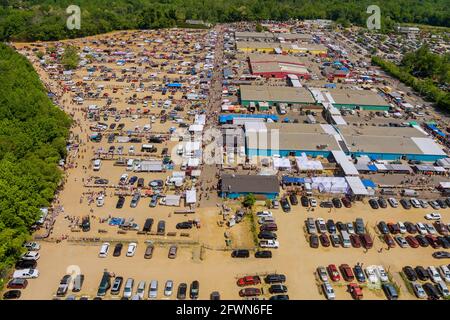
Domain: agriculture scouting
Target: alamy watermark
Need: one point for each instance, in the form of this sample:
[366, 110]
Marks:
[373, 22]
[74, 20]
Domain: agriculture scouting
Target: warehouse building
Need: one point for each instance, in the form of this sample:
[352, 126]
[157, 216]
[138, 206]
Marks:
[277, 66]
[377, 143]
[272, 37]
[262, 186]
[281, 48]
[275, 95]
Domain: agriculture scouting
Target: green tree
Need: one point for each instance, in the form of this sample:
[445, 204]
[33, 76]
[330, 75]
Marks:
[249, 200]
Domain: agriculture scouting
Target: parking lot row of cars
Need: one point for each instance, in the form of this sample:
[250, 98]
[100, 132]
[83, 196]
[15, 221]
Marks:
[375, 275]
[435, 290]
[312, 202]
[131, 250]
[25, 268]
[346, 235]
[408, 203]
[275, 282]
[416, 235]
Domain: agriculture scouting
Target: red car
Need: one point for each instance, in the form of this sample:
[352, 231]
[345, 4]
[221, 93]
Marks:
[249, 292]
[346, 202]
[248, 281]
[347, 272]
[324, 240]
[433, 241]
[333, 272]
[356, 242]
[413, 243]
[389, 241]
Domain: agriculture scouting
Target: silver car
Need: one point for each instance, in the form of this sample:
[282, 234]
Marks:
[168, 288]
[153, 289]
[418, 290]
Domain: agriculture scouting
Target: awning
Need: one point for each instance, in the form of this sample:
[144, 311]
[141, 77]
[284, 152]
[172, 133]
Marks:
[369, 183]
[356, 186]
[347, 166]
[191, 196]
[289, 180]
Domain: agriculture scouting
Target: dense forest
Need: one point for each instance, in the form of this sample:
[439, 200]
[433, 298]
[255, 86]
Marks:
[425, 72]
[46, 19]
[33, 136]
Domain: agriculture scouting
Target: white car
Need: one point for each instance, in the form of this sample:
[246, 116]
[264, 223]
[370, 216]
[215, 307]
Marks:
[141, 290]
[313, 202]
[264, 213]
[434, 274]
[26, 274]
[421, 228]
[32, 246]
[269, 244]
[328, 291]
[401, 226]
[30, 255]
[418, 290]
[381, 273]
[430, 228]
[445, 272]
[123, 178]
[131, 150]
[350, 228]
[415, 203]
[168, 288]
[100, 200]
[393, 202]
[104, 250]
[433, 216]
[443, 289]
[131, 249]
[153, 289]
[371, 275]
[322, 273]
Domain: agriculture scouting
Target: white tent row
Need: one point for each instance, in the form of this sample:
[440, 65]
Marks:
[191, 196]
[305, 164]
[196, 128]
[329, 184]
[281, 163]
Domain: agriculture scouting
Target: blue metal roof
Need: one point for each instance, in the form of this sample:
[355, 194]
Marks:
[368, 183]
[223, 118]
[372, 167]
[287, 180]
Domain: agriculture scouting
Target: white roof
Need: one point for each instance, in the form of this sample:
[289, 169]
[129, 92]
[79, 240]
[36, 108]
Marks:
[356, 186]
[445, 184]
[196, 128]
[342, 159]
[338, 120]
[193, 162]
[428, 146]
[281, 163]
[305, 164]
[191, 146]
[191, 196]
[200, 119]
[173, 200]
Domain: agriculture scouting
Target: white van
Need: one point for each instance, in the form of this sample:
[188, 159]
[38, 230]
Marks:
[97, 164]
[153, 289]
[442, 288]
[128, 289]
[345, 239]
[104, 250]
[130, 164]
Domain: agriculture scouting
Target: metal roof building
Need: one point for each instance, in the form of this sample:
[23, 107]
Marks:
[262, 186]
[275, 95]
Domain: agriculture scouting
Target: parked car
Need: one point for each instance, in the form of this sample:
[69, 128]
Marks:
[117, 249]
[314, 241]
[269, 244]
[405, 204]
[31, 255]
[322, 273]
[250, 292]
[304, 201]
[184, 225]
[390, 291]
[149, 251]
[128, 289]
[441, 255]
[337, 203]
[248, 281]
[12, 294]
[131, 249]
[423, 242]
[181, 293]
[263, 254]
[410, 227]
[328, 291]
[431, 291]
[413, 243]
[26, 264]
[346, 272]
[194, 290]
[422, 273]
[382, 203]
[383, 227]
[418, 290]
[374, 204]
[275, 278]
[17, 284]
[120, 202]
[433, 216]
[32, 246]
[333, 273]
[267, 235]
[173, 251]
[359, 274]
[241, 253]
[335, 240]
[117, 284]
[153, 289]
[331, 227]
[346, 202]
[26, 274]
[293, 199]
[401, 241]
[354, 239]
[168, 288]
[389, 241]
[324, 240]
[285, 205]
[410, 274]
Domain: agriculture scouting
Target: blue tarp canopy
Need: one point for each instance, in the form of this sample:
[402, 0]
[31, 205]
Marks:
[289, 180]
[372, 167]
[435, 130]
[368, 183]
[174, 85]
[224, 118]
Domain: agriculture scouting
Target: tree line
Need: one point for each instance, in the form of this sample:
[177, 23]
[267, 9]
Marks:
[30, 20]
[33, 133]
[422, 71]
